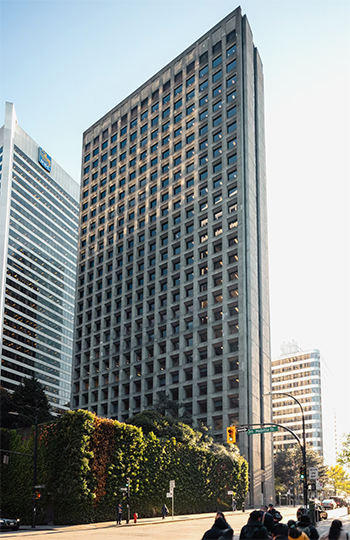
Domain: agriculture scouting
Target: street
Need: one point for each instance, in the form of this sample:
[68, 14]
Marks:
[181, 528]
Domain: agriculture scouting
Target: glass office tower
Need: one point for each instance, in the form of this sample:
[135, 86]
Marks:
[172, 286]
[38, 243]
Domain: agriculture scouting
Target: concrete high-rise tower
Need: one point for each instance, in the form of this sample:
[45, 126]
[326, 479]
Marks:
[297, 373]
[172, 288]
[38, 245]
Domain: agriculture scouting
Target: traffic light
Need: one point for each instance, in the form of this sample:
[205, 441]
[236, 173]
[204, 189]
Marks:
[231, 434]
[37, 495]
[302, 473]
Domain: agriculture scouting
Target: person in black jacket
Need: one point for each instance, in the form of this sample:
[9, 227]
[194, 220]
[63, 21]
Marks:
[280, 532]
[304, 524]
[220, 529]
[254, 527]
[267, 518]
[274, 513]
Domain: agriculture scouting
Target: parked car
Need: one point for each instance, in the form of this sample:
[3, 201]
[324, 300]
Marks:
[329, 503]
[339, 501]
[7, 524]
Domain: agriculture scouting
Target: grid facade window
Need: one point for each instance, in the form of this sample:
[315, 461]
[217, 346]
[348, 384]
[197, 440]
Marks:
[175, 282]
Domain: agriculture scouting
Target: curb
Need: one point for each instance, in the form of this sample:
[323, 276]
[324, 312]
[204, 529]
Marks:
[112, 524]
[141, 521]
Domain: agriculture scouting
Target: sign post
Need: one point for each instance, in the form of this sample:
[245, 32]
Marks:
[128, 501]
[172, 491]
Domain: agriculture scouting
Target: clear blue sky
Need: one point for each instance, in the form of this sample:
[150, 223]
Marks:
[64, 64]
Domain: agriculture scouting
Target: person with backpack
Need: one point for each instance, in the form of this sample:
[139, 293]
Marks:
[267, 519]
[305, 526]
[295, 533]
[336, 532]
[277, 516]
[254, 527]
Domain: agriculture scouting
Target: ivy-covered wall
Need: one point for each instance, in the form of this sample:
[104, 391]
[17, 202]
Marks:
[84, 460]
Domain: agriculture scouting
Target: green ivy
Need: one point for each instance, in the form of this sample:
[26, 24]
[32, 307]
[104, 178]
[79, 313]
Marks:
[84, 460]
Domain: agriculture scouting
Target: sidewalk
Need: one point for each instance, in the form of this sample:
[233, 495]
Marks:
[142, 521]
[341, 513]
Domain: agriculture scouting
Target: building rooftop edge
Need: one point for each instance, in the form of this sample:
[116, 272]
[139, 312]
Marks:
[10, 111]
[236, 11]
[296, 353]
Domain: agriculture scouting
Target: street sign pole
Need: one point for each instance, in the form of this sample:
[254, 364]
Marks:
[172, 504]
[128, 501]
[172, 491]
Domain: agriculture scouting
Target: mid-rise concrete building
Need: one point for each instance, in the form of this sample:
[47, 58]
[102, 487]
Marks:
[297, 373]
[172, 287]
[38, 243]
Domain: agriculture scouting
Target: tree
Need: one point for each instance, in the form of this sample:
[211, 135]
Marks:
[165, 427]
[166, 405]
[287, 463]
[6, 420]
[339, 480]
[30, 402]
[344, 456]
[285, 470]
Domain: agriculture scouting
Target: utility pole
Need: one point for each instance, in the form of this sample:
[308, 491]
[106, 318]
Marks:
[128, 501]
[35, 470]
[303, 446]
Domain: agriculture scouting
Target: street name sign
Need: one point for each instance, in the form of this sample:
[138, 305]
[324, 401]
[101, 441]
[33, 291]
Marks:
[268, 429]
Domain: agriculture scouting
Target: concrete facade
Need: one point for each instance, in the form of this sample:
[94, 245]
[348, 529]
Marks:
[298, 373]
[172, 285]
[38, 243]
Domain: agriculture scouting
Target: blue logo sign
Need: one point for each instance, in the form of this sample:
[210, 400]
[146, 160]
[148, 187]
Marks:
[44, 160]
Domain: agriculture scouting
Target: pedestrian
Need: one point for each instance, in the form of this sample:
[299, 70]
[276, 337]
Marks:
[220, 529]
[336, 532]
[280, 531]
[277, 516]
[234, 505]
[165, 511]
[119, 513]
[301, 511]
[254, 527]
[267, 519]
[295, 533]
[304, 524]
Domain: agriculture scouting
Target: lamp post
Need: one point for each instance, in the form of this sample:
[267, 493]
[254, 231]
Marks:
[303, 446]
[35, 457]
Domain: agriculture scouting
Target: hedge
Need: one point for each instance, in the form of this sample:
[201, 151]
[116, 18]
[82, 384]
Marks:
[84, 460]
